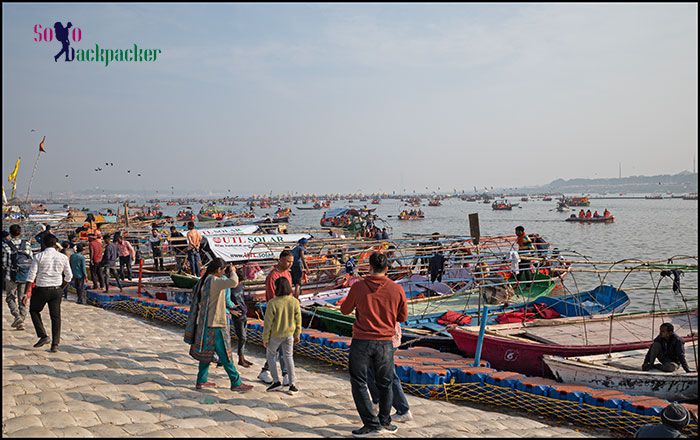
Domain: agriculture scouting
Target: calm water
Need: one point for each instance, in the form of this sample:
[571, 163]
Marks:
[643, 229]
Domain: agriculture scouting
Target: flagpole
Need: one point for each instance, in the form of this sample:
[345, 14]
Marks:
[36, 162]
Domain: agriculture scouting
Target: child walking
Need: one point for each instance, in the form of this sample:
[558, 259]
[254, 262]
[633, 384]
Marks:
[282, 329]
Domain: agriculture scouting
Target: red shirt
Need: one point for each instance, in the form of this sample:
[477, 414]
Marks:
[379, 303]
[95, 251]
[270, 282]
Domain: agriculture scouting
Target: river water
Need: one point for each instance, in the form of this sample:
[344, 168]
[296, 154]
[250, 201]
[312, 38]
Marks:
[643, 229]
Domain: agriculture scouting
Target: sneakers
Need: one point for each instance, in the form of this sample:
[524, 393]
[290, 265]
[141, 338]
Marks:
[20, 326]
[405, 417]
[43, 341]
[285, 380]
[265, 377]
[366, 432]
[293, 389]
[274, 387]
[17, 322]
[242, 388]
[54, 348]
[199, 386]
[390, 428]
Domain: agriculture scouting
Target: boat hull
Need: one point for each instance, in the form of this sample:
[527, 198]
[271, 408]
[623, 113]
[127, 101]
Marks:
[582, 370]
[525, 357]
[591, 220]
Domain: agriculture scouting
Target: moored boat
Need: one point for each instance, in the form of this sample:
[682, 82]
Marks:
[501, 205]
[621, 371]
[517, 347]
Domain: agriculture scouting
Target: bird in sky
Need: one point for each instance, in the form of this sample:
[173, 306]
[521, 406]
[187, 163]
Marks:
[139, 174]
[128, 171]
[106, 163]
[66, 175]
[31, 130]
[111, 164]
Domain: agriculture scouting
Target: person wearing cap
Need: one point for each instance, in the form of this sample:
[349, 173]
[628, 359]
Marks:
[674, 418]
[299, 266]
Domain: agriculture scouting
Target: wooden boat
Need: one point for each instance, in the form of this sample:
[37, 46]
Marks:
[654, 197]
[411, 217]
[501, 205]
[610, 219]
[514, 347]
[578, 201]
[546, 199]
[622, 371]
[376, 201]
[435, 202]
[184, 281]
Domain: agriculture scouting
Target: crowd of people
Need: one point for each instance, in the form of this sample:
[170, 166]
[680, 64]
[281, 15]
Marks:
[379, 305]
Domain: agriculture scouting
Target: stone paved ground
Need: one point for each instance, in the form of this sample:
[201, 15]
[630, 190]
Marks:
[117, 375]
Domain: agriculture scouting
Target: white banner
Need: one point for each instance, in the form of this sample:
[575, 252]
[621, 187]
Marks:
[230, 230]
[250, 247]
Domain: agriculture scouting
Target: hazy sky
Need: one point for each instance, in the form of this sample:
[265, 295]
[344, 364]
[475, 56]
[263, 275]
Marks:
[325, 98]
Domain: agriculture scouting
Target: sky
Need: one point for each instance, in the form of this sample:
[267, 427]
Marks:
[321, 98]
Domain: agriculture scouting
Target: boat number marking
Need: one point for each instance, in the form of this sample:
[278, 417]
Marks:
[511, 355]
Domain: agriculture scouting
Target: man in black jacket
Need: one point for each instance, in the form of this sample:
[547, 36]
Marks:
[668, 349]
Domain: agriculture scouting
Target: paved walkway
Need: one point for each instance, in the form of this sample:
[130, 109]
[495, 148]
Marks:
[117, 375]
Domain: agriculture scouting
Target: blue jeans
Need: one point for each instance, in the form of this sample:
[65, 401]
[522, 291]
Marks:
[379, 356]
[195, 260]
[220, 349]
[400, 403]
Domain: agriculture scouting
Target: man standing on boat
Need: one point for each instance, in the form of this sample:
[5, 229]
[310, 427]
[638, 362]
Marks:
[668, 349]
[379, 304]
[299, 266]
[525, 248]
[194, 240]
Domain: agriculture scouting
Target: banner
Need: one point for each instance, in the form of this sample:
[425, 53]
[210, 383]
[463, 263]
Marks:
[250, 247]
[230, 230]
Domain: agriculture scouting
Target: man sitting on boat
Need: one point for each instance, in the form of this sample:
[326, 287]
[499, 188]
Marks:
[581, 214]
[606, 213]
[668, 349]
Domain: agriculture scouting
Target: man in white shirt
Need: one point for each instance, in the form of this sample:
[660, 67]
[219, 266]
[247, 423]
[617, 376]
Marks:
[50, 271]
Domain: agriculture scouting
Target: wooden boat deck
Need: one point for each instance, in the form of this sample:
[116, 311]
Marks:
[625, 329]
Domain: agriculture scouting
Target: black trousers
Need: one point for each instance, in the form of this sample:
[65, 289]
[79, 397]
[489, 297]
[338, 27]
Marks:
[240, 327]
[97, 279]
[125, 267]
[378, 355]
[40, 297]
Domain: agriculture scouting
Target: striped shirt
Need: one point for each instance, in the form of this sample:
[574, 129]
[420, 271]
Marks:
[49, 269]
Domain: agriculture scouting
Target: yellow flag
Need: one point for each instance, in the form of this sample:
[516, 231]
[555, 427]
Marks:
[13, 175]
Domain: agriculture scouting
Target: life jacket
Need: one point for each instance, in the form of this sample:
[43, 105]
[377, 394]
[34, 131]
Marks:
[451, 317]
[512, 317]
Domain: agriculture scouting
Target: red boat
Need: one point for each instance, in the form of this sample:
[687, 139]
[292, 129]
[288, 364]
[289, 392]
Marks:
[514, 347]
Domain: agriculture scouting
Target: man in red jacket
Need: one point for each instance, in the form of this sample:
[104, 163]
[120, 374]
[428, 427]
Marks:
[379, 303]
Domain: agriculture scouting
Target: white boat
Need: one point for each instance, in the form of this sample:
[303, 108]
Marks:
[622, 371]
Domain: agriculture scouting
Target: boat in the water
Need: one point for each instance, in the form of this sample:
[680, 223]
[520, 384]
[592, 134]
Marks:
[519, 347]
[622, 371]
[502, 205]
[574, 219]
[577, 201]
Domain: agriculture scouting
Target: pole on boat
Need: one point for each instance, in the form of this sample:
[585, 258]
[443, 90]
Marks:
[482, 331]
[140, 275]
[475, 234]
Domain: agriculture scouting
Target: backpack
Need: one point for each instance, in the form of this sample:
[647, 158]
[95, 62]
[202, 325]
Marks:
[20, 262]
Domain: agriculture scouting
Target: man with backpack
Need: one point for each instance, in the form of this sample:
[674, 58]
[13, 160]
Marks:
[17, 260]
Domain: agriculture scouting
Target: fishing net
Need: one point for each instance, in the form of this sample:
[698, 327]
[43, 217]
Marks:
[328, 349]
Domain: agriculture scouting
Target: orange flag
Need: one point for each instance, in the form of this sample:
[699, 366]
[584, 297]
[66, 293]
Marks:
[41, 144]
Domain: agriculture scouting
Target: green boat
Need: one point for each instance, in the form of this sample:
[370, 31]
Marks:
[542, 286]
[332, 320]
[184, 281]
